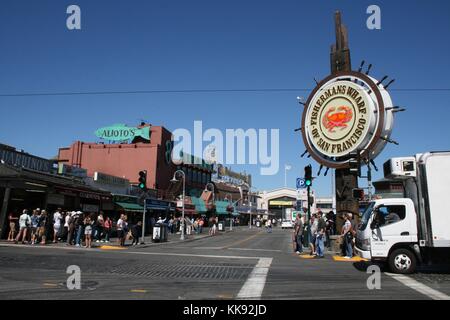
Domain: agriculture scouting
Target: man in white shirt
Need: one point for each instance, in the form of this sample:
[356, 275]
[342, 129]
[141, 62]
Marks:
[24, 223]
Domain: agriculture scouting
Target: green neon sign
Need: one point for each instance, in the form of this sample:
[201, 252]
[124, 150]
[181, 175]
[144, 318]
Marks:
[121, 132]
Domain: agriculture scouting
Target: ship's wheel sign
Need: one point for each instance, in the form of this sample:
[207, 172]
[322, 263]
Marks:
[346, 112]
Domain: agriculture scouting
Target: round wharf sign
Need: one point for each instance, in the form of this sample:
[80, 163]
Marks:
[346, 113]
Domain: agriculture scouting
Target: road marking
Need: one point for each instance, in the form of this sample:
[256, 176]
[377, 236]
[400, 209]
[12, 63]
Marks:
[354, 259]
[207, 248]
[142, 253]
[306, 256]
[419, 287]
[53, 285]
[249, 249]
[138, 291]
[224, 296]
[254, 286]
[242, 241]
[112, 248]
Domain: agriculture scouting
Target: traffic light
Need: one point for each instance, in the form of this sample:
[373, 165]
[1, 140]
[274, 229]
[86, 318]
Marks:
[355, 163]
[358, 193]
[143, 180]
[308, 175]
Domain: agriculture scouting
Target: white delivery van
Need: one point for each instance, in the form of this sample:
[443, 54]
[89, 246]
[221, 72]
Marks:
[415, 229]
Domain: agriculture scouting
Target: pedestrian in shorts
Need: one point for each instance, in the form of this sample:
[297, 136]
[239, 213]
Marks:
[88, 231]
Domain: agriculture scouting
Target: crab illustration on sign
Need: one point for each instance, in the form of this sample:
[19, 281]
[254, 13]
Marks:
[337, 118]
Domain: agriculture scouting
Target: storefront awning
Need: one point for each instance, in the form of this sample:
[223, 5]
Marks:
[199, 204]
[221, 207]
[134, 207]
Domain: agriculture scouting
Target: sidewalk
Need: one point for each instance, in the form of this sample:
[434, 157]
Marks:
[113, 243]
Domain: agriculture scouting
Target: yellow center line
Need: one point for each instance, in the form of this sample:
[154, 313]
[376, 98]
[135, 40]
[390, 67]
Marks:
[242, 241]
[138, 291]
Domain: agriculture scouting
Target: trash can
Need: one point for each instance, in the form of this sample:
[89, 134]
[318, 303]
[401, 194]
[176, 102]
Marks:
[221, 226]
[159, 232]
[258, 224]
[156, 237]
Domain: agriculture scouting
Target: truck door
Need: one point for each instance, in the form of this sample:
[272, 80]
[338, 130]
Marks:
[391, 228]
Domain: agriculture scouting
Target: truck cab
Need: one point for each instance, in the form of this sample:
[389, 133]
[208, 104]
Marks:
[415, 228]
[388, 226]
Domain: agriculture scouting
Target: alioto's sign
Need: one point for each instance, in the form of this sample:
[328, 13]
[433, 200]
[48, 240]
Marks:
[346, 112]
[121, 132]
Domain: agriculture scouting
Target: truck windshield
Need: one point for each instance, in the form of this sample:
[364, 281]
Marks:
[366, 216]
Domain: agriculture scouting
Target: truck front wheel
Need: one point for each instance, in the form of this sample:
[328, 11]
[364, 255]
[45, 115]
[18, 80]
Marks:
[402, 261]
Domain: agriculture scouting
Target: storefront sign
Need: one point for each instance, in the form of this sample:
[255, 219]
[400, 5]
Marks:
[72, 171]
[87, 195]
[110, 180]
[159, 205]
[121, 132]
[225, 174]
[280, 203]
[346, 113]
[20, 159]
[90, 208]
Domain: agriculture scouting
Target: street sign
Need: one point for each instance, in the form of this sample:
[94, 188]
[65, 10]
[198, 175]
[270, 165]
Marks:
[301, 183]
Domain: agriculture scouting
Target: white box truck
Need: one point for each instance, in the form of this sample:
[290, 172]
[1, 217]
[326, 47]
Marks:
[415, 229]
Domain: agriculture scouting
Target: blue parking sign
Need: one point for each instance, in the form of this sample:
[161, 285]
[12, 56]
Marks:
[301, 183]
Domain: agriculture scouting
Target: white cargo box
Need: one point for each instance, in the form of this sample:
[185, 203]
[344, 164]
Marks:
[437, 184]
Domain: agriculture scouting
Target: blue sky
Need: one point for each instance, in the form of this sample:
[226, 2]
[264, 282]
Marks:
[176, 45]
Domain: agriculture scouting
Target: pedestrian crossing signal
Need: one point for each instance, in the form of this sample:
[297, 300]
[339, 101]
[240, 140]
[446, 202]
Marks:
[143, 180]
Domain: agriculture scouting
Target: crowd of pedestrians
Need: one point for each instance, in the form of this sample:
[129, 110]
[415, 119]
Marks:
[70, 227]
[316, 233]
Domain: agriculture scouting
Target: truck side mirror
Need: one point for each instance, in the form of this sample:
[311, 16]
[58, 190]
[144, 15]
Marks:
[374, 225]
[375, 221]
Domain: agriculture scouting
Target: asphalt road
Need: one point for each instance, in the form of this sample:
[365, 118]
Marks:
[242, 264]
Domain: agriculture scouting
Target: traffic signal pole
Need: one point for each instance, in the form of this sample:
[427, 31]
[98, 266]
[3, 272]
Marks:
[143, 220]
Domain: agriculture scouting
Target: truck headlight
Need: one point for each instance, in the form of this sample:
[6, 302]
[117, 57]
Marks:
[365, 244]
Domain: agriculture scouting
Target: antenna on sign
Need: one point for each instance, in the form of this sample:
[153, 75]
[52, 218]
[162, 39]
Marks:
[326, 172]
[381, 81]
[303, 154]
[359, 69]
[298, 129]
[320, 169]
[389, 140]
[361, 66]
[317, 82]
[373, 164]
[390, 82]
[300, 100]
[368, 69]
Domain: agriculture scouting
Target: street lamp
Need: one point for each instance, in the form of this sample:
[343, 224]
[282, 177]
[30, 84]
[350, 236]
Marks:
[184, 194]
[230, 201]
